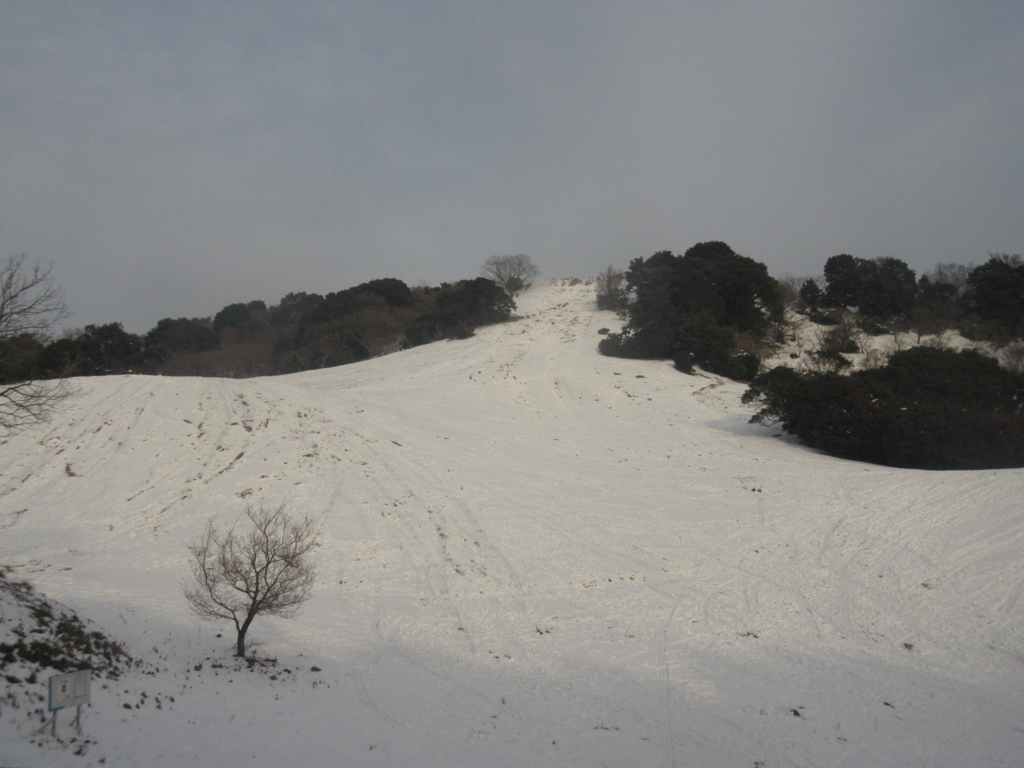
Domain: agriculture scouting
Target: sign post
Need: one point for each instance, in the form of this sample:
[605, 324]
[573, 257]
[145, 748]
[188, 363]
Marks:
[71, 689]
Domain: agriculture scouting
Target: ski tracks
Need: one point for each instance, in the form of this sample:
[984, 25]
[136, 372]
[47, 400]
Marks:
[471, 610]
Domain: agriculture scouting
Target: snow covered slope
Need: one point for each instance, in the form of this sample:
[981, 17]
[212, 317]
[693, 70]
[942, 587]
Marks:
[532, 555]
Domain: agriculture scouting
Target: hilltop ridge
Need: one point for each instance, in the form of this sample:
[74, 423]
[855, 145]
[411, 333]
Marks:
[531, 554]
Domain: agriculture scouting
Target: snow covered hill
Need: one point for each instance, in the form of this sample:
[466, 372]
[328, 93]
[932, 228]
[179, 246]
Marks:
[532, 555]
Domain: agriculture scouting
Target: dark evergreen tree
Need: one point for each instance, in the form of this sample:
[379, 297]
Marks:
[111, 349]
[842, 281]
[688, 308]
[810, 294]
[995, 292]
[295, 308]
[231, 316]
[702, 341]
[94, 351]
[178, 336]
[888, 288]
[749, 297]
[667, 290]
[23, 358]
[470, 303]
[936, 307]
[882, 288]
[394, 292]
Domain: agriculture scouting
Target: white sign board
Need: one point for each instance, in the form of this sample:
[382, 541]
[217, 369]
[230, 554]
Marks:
[70, 689]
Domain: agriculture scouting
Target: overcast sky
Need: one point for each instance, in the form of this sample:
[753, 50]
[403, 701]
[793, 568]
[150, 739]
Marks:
[172, 157]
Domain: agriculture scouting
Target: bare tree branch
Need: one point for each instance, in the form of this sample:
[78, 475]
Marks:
[30, 302]
[28, 402]
[31, 305]
[266, 569]
[611, 289]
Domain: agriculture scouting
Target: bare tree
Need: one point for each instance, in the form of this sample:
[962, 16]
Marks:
[789, 289]
[951, 274]
[31, 305]
[513, 273]
[611, 289]
[267, 569]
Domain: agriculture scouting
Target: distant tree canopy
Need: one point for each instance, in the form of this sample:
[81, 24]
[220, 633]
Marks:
[982, 302]
[394, 292]
[379, 317]
[303, 331]
[170, 337]
[995, 292]
[95, 350]
[296, 307]
[689, 308]
[882, 287]
[242, 318]
[926, 409]
[699, 308]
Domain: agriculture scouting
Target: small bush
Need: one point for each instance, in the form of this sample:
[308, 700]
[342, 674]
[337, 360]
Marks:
[825, 317]
[874, 326]
[749, 364]
[824, 361]
[840, 338]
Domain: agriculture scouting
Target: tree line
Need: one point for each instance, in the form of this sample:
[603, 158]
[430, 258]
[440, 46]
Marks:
[984, 302]
[711, 304]
[924, 407]
[301, 332]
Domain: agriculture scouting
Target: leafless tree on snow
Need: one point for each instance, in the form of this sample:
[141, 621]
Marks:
[513, 273]
[241, 574]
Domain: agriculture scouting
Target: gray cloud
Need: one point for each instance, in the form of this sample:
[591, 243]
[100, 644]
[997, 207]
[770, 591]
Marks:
[172, 158]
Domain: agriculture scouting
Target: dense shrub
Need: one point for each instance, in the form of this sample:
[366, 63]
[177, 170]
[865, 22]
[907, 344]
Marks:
[926, 409]
[462, 307]
[22, 357]
[810, 295]
[995, 293]
[841, 337]
[831, 317]
[703, 342]
[966, 378]
[689, 308]
[376, 318]
[883, 287]
[179, 336]
[394, 292]
[945, 436]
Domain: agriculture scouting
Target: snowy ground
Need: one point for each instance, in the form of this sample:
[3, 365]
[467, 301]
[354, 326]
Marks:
[532, 556]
